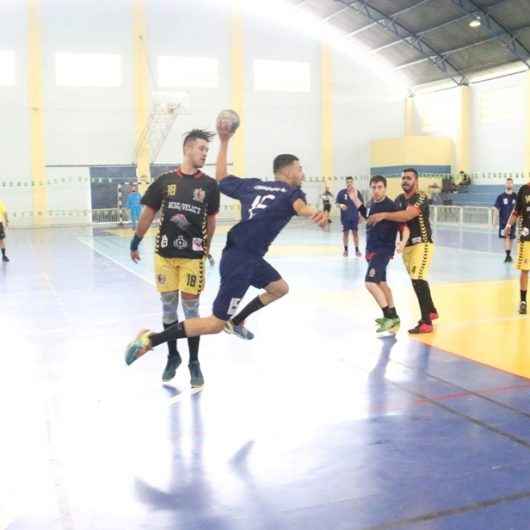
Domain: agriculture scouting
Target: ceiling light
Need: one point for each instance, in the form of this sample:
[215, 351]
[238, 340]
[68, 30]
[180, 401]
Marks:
[475, 23]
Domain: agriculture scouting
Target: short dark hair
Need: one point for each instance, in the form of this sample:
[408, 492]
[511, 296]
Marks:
[282, 161]
[411, 170]
[378, 178]
[509, 178]
[197, 134]
[349, 178]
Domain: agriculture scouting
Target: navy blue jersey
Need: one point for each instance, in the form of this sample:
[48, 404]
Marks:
[350, 213]
[505, 203]
[266, 207]
[381, 237]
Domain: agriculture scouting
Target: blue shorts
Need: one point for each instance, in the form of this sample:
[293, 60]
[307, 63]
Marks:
[350, 225]
[239, 271]
[377, 264]
[512, 232]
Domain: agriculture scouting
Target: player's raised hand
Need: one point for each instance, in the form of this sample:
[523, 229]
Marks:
[135, 256]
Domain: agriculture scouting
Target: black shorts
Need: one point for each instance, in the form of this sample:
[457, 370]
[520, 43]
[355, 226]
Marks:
[326, 208]
[377, 264]
[2, 232]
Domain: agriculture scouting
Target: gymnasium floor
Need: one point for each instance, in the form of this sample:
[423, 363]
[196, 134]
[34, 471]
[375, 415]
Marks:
[315, 425]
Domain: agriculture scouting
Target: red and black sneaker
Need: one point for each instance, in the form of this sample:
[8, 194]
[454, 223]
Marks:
[434, 315]
[421, 328]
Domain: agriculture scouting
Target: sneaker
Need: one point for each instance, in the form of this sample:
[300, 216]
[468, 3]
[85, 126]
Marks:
[211, 261]
[358, 254]
[173, 362]
[379, 321]
[388, 324]
[421, 328]
[508, 259]
[5, 259]
[240, 331]
[138, 346]
[522, 308]
[197, 379]
[434, 315]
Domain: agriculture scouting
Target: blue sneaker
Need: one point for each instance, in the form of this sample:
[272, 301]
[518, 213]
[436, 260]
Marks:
[138, 346]
[238, 330]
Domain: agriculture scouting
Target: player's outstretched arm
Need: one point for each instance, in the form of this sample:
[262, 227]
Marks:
[304, 210]
[145, 221]
[402, 216]
[225, 133]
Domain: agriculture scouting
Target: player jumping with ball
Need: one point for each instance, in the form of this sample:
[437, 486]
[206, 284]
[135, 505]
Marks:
[266, 208]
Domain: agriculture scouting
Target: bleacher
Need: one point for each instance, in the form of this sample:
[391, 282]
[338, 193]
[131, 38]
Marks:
[477, 195]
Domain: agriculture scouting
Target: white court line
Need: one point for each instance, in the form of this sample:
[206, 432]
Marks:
[91, 245]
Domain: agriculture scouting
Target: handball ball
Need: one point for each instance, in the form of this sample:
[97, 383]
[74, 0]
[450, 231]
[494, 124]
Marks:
[231, 117]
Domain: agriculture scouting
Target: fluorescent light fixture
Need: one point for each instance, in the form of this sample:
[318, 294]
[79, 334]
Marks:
[475, 23]
[294, 19]
[88, 69]
[7, 68]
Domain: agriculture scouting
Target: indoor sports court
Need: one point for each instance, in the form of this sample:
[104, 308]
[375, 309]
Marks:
[120, 213]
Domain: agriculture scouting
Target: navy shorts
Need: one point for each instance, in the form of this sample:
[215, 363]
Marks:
[377, 264]
[350, 225]
[512, 232]
[239, 271]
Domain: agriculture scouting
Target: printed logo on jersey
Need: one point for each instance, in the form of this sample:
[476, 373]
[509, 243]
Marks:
[260, 203]
[161, 279]
[525, 231]
[171, 190]
[199, 195]
[196, 244]
[180, 243]
[505, 201]
[371, 272]
[180, 220]
[415, 240]
[164, 241]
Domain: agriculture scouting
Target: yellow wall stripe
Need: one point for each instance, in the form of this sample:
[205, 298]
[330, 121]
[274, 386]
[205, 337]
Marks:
[463, 139]
[237, 78]
[36, 109]
[326, 109]
[142, 98]
[527, 127]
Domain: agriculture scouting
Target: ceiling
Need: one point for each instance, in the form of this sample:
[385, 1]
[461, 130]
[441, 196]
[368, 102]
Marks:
[431, 40]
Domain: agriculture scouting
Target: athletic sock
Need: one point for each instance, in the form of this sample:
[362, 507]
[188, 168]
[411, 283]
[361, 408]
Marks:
[174, 332]
[508, 252]
[385, 311]
[392, 313]
[172, 344]
[523, 296]
[356, 249]
[421, 288]
[345, 248]
[193, 345]
[251, 307]
[4, 252]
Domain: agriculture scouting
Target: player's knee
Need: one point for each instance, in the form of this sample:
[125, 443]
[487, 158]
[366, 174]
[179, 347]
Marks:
[216, 324]
[170, 302]
[190, 307]
[282, 288]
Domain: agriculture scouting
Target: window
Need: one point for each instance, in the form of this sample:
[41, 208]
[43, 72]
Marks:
[7, 68]
[282, 76]
[196, 72]
[88, 69]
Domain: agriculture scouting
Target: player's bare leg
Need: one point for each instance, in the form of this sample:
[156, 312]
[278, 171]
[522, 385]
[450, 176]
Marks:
[274, 291]
[356, 243]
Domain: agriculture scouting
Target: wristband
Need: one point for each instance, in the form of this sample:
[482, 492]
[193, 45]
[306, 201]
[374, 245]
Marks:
[135, 243]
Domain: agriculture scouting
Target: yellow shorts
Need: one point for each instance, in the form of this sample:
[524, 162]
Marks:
[417, 259]
[179, 274]
[523, 256]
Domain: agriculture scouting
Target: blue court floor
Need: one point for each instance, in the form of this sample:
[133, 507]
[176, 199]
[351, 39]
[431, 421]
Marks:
[317, 424]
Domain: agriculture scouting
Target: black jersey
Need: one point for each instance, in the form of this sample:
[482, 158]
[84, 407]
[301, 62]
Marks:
[522, 209]
[185, 202]
[420, 226]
